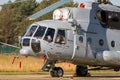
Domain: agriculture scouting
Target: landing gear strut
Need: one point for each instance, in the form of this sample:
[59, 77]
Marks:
[57, 72]
[81, 70]
[54, 71]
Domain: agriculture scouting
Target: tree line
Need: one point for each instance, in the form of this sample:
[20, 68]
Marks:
[13, 16]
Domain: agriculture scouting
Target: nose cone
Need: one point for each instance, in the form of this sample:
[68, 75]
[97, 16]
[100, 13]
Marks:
[26, 52]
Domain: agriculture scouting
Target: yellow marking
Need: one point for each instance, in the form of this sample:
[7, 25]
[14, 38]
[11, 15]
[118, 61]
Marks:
[31, 19]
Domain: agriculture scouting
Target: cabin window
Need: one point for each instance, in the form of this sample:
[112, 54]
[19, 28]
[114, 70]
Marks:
[60, 38]
[81, 39]
[49, 35]
[113, 43]
[101, 42]
[40, 32]
[31, 31]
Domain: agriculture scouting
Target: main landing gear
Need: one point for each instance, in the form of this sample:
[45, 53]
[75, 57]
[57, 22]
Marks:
[81, 71]
[58, 71]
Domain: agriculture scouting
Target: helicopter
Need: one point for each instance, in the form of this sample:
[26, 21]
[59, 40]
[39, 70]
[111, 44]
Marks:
[87, 35]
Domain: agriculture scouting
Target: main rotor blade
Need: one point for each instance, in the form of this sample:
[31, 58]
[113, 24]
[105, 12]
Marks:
[48, 9]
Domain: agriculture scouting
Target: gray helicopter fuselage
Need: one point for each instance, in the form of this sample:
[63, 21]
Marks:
[92, 44]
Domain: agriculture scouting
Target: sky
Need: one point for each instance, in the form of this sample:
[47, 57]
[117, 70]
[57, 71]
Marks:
[115, 2]
[5, 1]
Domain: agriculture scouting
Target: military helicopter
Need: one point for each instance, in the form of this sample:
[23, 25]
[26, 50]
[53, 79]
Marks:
[86, 35]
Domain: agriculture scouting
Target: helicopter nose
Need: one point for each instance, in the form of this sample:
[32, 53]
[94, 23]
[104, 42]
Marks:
[30, 46]
[24, 51]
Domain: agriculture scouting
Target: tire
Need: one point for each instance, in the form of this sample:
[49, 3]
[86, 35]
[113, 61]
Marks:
[60, 72]
[57, 72]
[81, 71]
[53, 72]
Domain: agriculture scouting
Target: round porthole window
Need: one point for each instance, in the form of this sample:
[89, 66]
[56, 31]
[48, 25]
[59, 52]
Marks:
[113, 43]
[101, 42]
[81, 39]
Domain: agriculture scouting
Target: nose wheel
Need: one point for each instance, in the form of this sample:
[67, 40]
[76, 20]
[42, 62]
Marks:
[57, 72]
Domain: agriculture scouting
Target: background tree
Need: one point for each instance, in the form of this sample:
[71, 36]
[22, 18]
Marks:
[13, 21]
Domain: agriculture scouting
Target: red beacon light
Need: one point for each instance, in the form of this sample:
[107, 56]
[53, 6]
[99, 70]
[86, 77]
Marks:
[81, 5]
[86, 5]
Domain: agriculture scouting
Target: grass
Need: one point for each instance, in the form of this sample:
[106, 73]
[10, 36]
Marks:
[29, 64]
[23, 73]
[100, 72]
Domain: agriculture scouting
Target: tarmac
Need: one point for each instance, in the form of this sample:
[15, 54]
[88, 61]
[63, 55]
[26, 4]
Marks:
[65, 77]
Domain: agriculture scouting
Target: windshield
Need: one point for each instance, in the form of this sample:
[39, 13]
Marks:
[31, 31]
[40, 32]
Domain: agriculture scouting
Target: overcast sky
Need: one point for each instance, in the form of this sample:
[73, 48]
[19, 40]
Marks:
[116, 2]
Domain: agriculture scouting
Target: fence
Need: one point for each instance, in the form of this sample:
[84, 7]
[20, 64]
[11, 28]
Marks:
[8, 49]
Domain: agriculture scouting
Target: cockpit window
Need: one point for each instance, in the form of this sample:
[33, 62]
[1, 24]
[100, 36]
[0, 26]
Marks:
[60, 38]
[40, 32]
[31, 31]
[49, 35]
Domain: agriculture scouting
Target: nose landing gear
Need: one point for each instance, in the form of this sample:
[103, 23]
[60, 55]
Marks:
[57, 72]
[54, 71]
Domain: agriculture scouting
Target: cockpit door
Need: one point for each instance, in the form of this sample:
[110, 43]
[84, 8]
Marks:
[63, 44]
